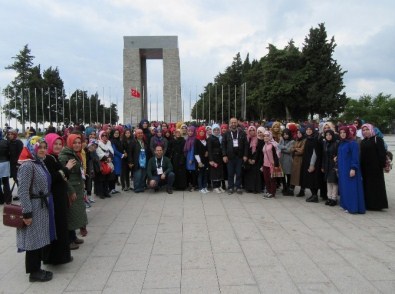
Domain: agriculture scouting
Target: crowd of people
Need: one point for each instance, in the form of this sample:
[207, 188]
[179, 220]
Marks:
[60, 174]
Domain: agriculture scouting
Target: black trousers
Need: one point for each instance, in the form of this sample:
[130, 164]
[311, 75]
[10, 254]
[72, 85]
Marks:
[5, 191]
[33, 259]
[125, 174]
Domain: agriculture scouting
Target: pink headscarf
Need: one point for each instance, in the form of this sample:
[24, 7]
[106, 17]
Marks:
[273, 142]
[50, 139]
[254, 139]
[371, 129]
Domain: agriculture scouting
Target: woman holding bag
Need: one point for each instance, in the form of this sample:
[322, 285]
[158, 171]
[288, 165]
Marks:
[271, 155]
[37, 207]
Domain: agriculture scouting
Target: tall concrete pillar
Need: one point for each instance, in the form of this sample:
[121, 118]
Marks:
[135, 54]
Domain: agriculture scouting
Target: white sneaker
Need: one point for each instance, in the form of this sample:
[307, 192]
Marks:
[203, 191]
[92, 199]
[217, 190]
[222, 190]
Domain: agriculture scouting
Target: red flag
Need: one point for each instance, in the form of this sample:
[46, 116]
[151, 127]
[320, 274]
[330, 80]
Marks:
[134, 93]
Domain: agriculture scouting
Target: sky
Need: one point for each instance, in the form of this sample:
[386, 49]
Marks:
[84, 39]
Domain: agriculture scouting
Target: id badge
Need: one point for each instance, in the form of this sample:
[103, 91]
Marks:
[159, 170]
[82, 173]
[235, 143]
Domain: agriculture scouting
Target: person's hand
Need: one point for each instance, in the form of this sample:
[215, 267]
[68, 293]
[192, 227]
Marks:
[109, 160]
[322, 170]
[311, 169]
[245, 158]
[352, 173]
[125, 155]
[163, 176]
[335, 158]
[130, 165]
[27, 221]
[200, 164]
[251, 161]
[73, 197]
[225, 159]
[212, 163]
[206, 154]
[70, 164]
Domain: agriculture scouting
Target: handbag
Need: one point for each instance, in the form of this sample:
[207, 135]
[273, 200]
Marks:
[277, 172]
[13, 216]
[105, 168]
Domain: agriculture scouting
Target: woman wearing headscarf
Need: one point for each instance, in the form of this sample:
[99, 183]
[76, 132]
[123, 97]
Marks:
[286, 144]
[373, 159]
[178, 159]
[311, 164]
[271, 155]
[297, 158]
[126, 168]
[350, 178]
[34, 191]
[215, 158]
[105, 152]
[169, 136]
[252, 173]
[189, 153]
[329, 152]
[259, 159]
[119, 154]
[77, 217]
[201, 157]
[60, 248]
[158, 140]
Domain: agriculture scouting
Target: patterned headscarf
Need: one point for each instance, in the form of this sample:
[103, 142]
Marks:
[190, 141]
[272, 141]
[29, 152]
[252, 139]
[371, 129]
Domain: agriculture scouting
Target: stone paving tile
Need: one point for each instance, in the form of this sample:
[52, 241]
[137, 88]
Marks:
[193, 243]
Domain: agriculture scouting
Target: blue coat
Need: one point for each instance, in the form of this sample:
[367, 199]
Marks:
[117, 160]
[350, 188]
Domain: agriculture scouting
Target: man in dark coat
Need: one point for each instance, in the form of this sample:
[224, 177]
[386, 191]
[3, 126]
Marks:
[234, 152]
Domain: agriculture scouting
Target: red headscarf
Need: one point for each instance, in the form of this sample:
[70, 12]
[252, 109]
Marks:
[201, 129]
[70, 140]
[346, 129]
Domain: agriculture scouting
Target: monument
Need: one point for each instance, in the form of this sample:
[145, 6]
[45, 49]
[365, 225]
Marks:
[136, 51]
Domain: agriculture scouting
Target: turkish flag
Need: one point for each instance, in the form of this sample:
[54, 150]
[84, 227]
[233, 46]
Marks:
[134, 93]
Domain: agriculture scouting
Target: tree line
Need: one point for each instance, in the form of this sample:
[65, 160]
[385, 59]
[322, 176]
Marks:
[39, 97]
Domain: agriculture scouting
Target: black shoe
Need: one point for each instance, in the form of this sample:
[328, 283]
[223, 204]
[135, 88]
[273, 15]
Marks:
[312, 198]
[333, 203]
[301, 194]
[169, 190]
[239, 191]
[230, 191]
[16, 198]
[108, 196]
[40, 276]
[328, 202]
[288, 193]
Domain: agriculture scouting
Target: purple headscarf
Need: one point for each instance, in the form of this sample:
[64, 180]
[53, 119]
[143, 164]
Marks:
[190, 140]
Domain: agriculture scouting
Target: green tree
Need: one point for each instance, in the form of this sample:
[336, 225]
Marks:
[324, 76]
[17, 91]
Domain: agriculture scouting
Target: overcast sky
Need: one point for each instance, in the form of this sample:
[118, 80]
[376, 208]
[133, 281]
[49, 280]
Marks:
[84, 39]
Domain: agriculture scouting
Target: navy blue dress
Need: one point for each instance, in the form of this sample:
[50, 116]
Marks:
[350, 188]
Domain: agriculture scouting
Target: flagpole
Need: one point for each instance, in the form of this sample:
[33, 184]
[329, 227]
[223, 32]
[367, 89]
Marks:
[90, 109]
[76, 108]
[216, 104]
[170, 110]
[110, 107]
[196, 110]
[49, 102]
[16, 121]
[63, 105]
[70, 107]
[35, 101]
[235, 102]
[203, 114]
[228, 103]
[42, 104]
[245, 100]
[56, 106]
[190, 104]
[157, 104]
[104, 109]
[222, 104]
[83, 106]
[97, 105]
[30, 118]
[209, 104]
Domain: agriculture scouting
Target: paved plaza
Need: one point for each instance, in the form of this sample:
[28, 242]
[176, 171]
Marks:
[193, 243]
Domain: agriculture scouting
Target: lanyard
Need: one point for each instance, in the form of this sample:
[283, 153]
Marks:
[141, 144]
[237, 135]
[161, 163]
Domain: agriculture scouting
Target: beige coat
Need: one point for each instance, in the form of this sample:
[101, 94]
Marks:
[297, 152]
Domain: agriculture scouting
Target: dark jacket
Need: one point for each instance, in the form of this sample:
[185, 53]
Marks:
[152, 165]
[136, 154]
[4, 151]
[227, 145]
